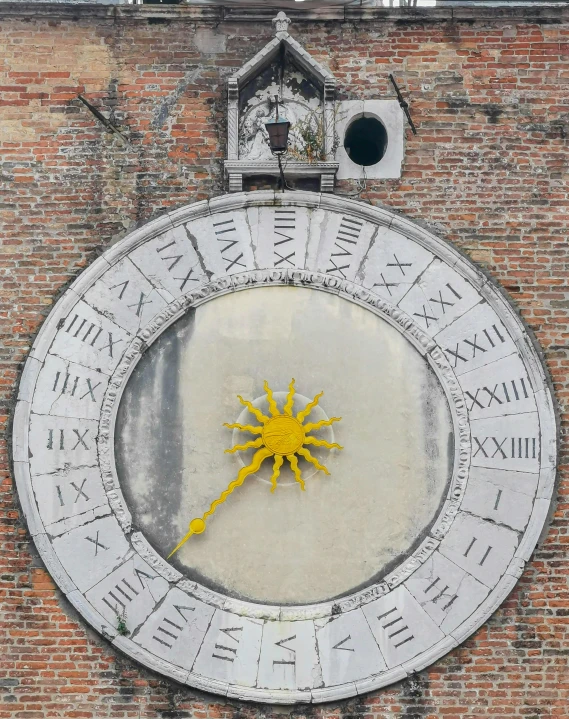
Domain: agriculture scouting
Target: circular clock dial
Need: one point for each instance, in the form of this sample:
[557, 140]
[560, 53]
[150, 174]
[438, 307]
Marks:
[348, 538]
[292, 545]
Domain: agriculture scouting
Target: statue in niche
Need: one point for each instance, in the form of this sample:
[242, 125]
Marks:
[300, 101]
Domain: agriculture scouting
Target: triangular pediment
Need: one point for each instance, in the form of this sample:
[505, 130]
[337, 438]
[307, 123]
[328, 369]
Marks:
[271, 51]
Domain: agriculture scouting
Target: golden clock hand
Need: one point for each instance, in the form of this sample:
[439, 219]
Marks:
[197, 525]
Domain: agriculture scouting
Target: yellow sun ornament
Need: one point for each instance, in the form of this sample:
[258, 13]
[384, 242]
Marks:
[281, 435]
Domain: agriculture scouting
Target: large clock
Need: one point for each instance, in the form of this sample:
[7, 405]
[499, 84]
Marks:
[284, 447]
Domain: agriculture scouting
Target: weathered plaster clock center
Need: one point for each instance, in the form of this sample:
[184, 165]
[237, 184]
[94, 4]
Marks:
[344, 530]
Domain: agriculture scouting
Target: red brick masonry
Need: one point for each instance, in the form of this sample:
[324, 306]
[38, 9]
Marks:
[489, 92]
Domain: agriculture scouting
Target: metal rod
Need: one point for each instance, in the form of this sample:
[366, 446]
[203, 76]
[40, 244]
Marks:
[107, 123]
[283, 184]
[404, 105]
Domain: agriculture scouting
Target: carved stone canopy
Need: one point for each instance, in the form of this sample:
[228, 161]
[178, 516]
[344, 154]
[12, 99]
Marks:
[306, 92]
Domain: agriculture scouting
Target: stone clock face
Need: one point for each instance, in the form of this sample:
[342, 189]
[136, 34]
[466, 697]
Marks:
[391, 434]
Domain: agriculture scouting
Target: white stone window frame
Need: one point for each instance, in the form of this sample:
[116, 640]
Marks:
[389, 113]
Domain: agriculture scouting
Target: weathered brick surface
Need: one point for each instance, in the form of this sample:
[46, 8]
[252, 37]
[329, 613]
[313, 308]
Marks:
[488, 171]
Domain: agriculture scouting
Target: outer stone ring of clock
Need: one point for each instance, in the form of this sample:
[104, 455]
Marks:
[283, 435]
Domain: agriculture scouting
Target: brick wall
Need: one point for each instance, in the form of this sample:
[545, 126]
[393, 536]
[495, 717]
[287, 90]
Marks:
[488, 171]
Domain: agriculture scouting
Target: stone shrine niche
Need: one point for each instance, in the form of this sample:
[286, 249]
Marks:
[300, 102]
[306, 97]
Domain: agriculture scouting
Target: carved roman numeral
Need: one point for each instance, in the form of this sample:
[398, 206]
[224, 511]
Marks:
[447, 300]
[140, 302]
[385, 284]
[340, 645]
[70, 385]
[425, 316]
[468, 349]
[347, 237]
[174, 259]
[80, 493]
[123, 286]
[501, 393]
[121, 593]
[225, 651]
[441, 595]
[399, 264]
[89, 333]
[284, 221]
[289, 661]
[506, 448]
[169, 629]
[396, 629]
[95, 540]
[498, 497]
[56, 440]
[124, 592]
[231, 256]
[485, 554]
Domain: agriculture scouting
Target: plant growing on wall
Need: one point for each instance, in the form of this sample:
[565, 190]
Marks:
[122, 629]
[308, 137]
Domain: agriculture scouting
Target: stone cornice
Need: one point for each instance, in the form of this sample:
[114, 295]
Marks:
[549, 12]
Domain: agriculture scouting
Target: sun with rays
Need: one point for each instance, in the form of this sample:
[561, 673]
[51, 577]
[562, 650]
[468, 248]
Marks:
[282, 435]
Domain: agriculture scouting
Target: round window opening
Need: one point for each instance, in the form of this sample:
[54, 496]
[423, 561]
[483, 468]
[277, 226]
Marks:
[366, 141]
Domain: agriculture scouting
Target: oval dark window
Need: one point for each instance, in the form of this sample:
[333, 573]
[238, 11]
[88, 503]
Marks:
[366, 141]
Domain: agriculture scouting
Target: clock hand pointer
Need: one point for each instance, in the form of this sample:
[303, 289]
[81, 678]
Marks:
[197, 525]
